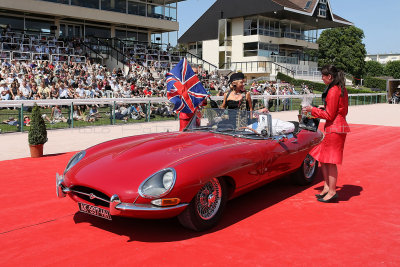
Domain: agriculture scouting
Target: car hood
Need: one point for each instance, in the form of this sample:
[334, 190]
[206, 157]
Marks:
[120, 166]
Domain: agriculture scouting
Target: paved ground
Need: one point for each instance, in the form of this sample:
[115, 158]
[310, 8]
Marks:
[15, 145]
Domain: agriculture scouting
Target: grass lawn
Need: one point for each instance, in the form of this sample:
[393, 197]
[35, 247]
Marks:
[5, 114]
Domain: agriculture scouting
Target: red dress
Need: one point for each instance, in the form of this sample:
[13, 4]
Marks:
[330, 150]
[184, 118]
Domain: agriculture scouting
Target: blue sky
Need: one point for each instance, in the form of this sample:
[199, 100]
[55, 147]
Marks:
[379, 19]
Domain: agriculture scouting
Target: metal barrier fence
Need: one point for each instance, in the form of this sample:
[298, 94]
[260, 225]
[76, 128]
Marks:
[73, 113]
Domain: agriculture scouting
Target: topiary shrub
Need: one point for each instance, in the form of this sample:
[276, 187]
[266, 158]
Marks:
[37, 131]
[316, 86]
[372, 82]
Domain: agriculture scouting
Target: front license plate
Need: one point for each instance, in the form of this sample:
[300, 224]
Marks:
[93, 210]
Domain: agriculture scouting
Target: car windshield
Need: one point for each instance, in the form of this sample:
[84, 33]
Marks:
[240, 123]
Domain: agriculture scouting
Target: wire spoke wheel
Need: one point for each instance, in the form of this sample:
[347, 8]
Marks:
[208, 199]
[309, 166]
[306, 173]
[206, 207]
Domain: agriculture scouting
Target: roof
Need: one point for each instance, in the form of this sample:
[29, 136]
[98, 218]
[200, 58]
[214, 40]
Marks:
[206, 27]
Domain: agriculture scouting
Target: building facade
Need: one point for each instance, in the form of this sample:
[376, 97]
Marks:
[382, 58]
[261, 37]
[137, 20]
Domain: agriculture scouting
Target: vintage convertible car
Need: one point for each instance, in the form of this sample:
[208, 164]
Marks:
[189, 174]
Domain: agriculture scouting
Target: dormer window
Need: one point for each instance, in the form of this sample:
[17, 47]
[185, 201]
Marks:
[322, 12]
[322, 8]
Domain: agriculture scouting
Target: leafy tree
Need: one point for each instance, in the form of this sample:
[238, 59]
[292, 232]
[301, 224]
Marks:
[37, 132]
[373, 69]
[392, 68]
[343, 47]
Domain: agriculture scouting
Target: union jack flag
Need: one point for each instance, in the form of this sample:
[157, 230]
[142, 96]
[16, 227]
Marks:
[184, 88]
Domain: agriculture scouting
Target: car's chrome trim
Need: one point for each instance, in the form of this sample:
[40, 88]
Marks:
[113, 205]
[116, 206]
[60, 190]
[144, 207]
[142, 194]
[91, 195]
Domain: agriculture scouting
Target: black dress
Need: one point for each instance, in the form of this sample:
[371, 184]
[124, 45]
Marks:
[237, 111]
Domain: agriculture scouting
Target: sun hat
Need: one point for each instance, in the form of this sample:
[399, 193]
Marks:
[236, 76]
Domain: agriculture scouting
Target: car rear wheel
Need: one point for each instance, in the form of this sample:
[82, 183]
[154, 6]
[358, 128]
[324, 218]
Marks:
[306, 173]
[205, 209]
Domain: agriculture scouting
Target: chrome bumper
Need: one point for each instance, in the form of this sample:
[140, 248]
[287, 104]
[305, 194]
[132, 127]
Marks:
[60, 189]
[116, 206]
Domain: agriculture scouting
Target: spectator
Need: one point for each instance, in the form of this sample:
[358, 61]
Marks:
[4, 91]
[25, 90]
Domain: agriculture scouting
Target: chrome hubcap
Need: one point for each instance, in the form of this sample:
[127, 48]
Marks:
[309, 166]
[208, 199]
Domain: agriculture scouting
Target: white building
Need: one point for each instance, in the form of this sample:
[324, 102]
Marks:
[139, 20]
[262, 37]
[383, 58]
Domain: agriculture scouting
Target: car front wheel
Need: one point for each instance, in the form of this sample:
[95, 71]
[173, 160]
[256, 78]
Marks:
[205, 209]
[306, 173]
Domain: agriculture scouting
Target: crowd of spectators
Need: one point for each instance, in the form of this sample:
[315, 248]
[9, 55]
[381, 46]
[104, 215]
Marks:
[36, 79]
[79, 77]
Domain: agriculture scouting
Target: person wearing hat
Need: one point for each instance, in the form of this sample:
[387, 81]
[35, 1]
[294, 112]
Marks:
[237, 97]
[4, 91]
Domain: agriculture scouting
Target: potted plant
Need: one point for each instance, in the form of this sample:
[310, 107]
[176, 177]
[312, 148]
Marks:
[37, 133]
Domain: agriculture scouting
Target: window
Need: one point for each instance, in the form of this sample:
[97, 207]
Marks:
[155, 11]
[143, 37]
[260, 49]
[250, 49]
[308, 5]
[136, 8]
[114, 5]
[86, 3]
[322, 10]
[221, 31]
[37, 25]
[250, 26]
[58, 1]
[97, 32]
[15, 22]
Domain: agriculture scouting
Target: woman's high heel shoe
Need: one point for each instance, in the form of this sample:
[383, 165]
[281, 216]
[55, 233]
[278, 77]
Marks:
[332, 199]
[320, 195]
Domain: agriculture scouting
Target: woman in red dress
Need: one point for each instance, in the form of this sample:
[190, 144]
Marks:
[330, 151]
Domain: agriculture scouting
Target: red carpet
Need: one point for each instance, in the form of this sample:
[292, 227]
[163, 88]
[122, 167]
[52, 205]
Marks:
[276, 224]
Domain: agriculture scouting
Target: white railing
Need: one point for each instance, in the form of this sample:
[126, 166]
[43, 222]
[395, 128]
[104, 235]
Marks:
[59, 58]
[17, 55]
[77, 59]
[40, 56]
[105, 101]
[5, 55]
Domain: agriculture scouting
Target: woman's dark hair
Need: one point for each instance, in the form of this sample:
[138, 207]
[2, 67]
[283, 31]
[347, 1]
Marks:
[337, 79]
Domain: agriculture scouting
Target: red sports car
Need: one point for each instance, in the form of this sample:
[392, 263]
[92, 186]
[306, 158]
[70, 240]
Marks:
[189, 174]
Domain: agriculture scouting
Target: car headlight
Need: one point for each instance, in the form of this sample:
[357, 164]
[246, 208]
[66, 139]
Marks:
[159, 184]
[74, 160]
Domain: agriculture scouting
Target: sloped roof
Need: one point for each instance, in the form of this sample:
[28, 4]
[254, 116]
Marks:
[295, 4]
[206, 27]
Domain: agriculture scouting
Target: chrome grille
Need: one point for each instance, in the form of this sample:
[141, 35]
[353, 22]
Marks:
[91, 195]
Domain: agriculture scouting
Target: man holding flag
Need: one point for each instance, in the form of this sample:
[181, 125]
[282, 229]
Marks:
[185, 91]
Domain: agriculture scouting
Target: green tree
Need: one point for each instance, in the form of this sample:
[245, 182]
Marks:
[343, 47]
[392, 68]
[37, 132]
[374, 69]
